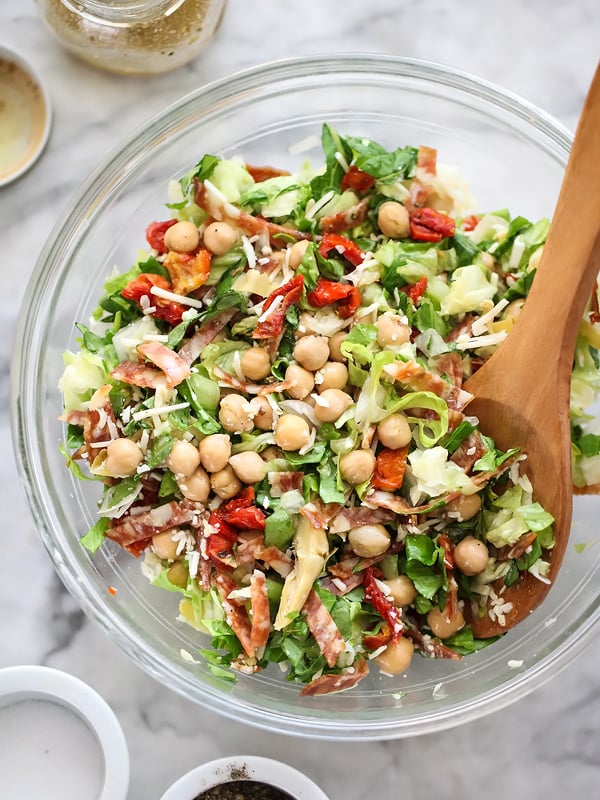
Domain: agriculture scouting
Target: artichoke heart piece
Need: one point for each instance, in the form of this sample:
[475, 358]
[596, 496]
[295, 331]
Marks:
[311, 548]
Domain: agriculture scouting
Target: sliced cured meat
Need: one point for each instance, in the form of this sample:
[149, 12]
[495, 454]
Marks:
[236, 616]
[327, 684]
[323, 628]
[132, 528]
[204, 335]
[174, 367]
[261, 620]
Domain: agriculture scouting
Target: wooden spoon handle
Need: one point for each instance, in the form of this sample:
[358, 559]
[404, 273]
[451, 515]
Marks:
[571, 258]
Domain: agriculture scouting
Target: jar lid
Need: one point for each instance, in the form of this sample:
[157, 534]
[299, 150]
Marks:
[58, 738]
[25, 115]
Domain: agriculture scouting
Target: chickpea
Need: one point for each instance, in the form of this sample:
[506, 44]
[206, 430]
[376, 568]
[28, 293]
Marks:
[369, 540]
[164, 545]
[467, 505]
[296, 253]
[292, 432]
[394, 431]
[249, 467]
[123, 457]
[396, 657]
[392, 330]
[442, 626]
[402, 590]
[195, 486]
[225, 483]
[256, 364]
[312, 351]
[333, 404]
[235, 414]
[183, 459]
[301, 381]
[513, 309]
[219, 238]
[271, 453]
[263, 413]
[182, 237]
[471, 556]
[393, 220]
[357, 466]
[332, 375]
[335, 353]
[215, 451]
[178, 575]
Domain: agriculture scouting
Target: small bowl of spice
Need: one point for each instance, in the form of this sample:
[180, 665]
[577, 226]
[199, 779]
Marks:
[244, 778]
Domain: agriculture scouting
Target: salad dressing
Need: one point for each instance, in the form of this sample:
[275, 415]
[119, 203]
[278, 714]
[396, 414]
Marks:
[47, 751]
[23, 117]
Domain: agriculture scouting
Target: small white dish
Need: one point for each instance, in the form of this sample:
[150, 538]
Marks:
[244, 768]
[58, 733]
[25, 115]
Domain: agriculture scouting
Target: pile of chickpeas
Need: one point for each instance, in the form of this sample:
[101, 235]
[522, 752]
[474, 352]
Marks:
[318, 376]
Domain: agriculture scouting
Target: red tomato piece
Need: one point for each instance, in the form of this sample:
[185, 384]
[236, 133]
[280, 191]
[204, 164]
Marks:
[373, 641]
[470, 223]
[139, 287]
[327, 292]
[382, 604]
[250, 519]
[416, 290]
[429, 225]
[346, 248]
[390, 466]
[273, 325]
[358, 180]
[155, 234]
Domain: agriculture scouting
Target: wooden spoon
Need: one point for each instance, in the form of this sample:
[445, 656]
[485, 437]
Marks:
[522, 392]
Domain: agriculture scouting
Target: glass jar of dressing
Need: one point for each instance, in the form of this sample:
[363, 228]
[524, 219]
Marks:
[136, 37]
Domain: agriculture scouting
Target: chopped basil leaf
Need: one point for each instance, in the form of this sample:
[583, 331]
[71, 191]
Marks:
[94, 538]
[160, 449]
[279, 529]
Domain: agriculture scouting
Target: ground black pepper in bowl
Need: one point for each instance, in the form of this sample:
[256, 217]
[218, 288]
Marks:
[244, 790]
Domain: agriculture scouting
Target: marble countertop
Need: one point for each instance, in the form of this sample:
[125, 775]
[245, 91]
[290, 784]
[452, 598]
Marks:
[545, 51]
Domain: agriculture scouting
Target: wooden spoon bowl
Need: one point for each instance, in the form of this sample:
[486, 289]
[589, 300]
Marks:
[521, 395]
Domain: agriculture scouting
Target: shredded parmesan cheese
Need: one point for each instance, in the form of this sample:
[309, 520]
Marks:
[178, 298]
[156, 412]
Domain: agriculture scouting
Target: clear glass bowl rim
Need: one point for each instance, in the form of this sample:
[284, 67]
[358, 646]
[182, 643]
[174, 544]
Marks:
[111, 172]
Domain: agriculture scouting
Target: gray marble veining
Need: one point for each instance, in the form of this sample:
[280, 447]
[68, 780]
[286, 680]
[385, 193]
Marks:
[542, 49]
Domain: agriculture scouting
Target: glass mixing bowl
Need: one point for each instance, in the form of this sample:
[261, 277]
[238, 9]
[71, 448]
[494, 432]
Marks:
[512, 154]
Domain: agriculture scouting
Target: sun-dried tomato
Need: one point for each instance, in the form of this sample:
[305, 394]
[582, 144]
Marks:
[327, 292]
[373, 641]
[240, 513]
[470, 223]
[416, 290]
[248, 519]
[382, 604]
[344, 247]
[155, 234]
[358, 180]
[273, 324]
[188, 271]
[429, 225]
[390, 466]
[139, 287]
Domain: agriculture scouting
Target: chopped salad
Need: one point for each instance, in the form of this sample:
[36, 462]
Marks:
[272, 400]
